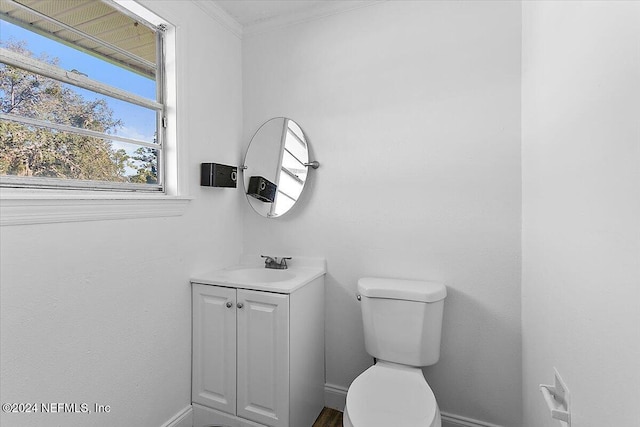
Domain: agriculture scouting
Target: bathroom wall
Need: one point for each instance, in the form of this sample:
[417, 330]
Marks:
[100, 312]
[581, 209]
[413, 110]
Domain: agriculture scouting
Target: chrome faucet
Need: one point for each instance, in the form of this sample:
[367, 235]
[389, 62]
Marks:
[272, 262]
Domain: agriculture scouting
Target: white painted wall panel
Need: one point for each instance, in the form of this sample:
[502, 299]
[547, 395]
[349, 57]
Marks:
[581, 209]
[413, 110]
[100, 311]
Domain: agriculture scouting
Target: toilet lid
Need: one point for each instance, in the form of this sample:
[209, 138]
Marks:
[391, 395]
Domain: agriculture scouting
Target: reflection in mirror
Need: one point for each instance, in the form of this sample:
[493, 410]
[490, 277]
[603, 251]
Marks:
[276, 167]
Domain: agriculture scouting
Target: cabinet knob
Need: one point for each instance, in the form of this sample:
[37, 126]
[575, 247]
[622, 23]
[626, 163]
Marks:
[240, 305]
[229, 304]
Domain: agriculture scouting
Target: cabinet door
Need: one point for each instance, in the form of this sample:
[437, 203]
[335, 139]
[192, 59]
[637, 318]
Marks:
[214, 347]
[263, 357]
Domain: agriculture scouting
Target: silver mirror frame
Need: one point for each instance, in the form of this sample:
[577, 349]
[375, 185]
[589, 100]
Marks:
[276, 166]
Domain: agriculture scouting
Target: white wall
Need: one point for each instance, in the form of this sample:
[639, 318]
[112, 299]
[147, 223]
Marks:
[413, 110]
[581, 209]
[100, 311]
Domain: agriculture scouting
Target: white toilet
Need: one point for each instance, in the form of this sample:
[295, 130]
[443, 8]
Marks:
[402, 328]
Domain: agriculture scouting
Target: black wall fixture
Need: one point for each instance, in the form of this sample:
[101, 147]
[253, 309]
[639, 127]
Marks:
[217, 175]
[262, 189]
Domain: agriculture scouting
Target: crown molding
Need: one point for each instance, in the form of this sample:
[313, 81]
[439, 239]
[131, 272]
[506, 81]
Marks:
[221, 16]
[330, 8]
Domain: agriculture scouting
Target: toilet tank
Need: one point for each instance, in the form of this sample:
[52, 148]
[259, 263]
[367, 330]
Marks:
[402, 319]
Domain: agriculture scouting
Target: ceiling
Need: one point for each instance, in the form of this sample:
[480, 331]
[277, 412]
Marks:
[253, 13]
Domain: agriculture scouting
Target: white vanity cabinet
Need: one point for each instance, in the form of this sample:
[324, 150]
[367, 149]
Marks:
[258, 356]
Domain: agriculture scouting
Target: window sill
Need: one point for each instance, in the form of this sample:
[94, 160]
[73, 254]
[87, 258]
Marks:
[31, 208]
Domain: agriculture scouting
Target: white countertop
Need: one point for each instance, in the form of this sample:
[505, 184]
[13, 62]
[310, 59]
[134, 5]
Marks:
[253, 275]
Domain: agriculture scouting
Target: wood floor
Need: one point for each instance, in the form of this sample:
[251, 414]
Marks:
[329, 418]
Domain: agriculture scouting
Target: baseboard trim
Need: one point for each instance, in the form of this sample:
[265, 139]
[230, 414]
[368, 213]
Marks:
[335, 397]
[183, 418]
[452, 420]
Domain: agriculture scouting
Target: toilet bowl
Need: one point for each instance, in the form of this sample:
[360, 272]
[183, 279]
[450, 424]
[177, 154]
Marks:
[402, 322]
[391, 395]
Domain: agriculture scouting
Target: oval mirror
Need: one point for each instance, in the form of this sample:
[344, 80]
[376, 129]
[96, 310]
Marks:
[276, 167]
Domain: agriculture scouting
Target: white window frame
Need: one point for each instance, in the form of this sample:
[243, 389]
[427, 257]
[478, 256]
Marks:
[23, 206]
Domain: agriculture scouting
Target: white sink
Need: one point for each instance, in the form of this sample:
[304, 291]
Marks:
[256, 276]
[259, 275]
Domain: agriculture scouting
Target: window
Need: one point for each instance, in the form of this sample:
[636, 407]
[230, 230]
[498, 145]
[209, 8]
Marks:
[82, 97]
